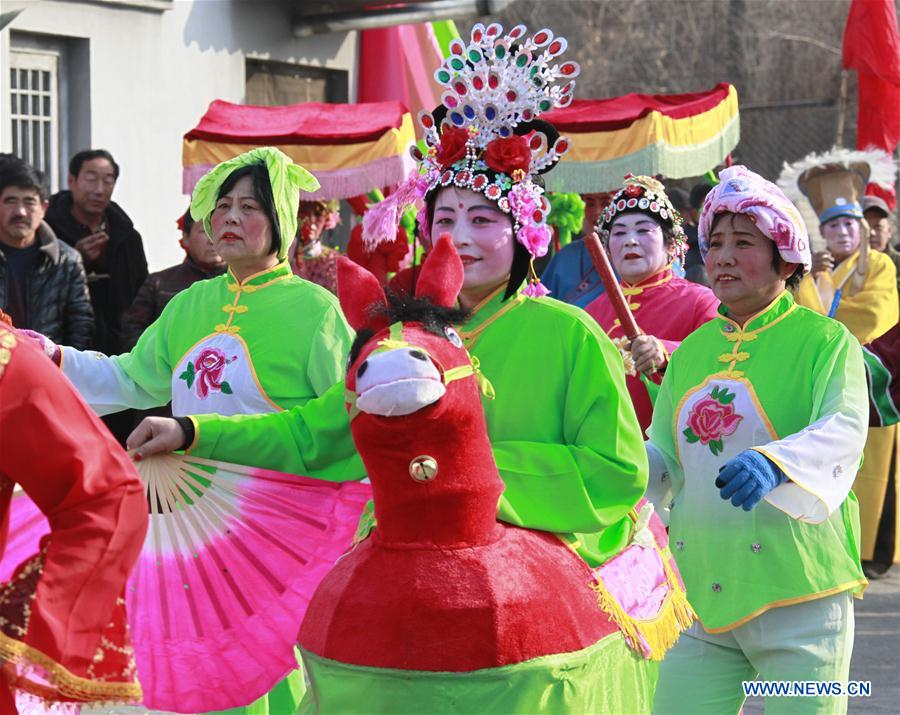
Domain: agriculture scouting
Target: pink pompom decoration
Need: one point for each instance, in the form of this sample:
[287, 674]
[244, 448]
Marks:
[536, 289]
[536, 238]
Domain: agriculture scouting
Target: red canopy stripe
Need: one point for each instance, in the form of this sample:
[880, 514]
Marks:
[595, 115]
[305, 123]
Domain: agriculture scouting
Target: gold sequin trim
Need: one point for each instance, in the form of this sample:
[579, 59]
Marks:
[627, 358]
[7, 343]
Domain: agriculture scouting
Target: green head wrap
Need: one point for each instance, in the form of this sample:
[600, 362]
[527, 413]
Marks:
[287, 178]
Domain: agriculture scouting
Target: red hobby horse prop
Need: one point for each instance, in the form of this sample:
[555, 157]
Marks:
[443, 608]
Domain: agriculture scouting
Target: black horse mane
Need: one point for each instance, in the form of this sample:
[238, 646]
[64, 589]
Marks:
[404, 308]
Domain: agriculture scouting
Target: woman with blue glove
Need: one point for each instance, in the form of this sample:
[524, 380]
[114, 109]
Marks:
[761, 422]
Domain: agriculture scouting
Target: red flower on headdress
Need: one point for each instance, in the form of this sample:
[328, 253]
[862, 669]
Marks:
[452, 147]
[506, 155]
[633, 190]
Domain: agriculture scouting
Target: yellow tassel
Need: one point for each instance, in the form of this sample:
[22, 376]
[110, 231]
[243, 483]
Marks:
[487, 389]
[653, 637]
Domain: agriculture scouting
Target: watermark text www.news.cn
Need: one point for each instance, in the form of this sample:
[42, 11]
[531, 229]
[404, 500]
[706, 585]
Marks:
[807, 688]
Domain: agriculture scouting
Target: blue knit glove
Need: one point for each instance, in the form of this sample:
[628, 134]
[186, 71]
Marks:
[747, 478]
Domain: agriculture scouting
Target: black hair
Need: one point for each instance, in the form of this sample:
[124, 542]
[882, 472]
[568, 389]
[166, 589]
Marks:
[78, 160]
[262, 192]
[792, 281]
[679, 198]
[187, 222]
[698, 194]
[19, 173]
[404, 308]
[521, 257]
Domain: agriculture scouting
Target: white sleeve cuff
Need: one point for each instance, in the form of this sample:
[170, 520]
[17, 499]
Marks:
[102, 383]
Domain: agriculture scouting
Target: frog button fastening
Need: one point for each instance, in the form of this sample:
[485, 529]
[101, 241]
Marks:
[423, 468]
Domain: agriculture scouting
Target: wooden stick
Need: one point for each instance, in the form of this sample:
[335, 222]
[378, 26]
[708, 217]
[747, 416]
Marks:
[613, 289]
[842, 109]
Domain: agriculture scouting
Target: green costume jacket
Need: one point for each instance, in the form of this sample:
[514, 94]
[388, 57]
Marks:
[564, 433]
[222, 346]
[791, 385]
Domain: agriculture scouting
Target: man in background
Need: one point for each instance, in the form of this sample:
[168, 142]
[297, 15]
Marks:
[42, 282]
[87, 218]
[878, 216]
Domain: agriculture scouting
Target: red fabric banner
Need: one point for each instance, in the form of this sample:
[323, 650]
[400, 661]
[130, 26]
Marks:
[872, 48]
[395, 63]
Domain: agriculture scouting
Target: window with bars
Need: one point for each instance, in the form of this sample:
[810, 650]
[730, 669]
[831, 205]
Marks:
[33, 110]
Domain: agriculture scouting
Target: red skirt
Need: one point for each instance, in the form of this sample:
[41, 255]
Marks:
[110, 676]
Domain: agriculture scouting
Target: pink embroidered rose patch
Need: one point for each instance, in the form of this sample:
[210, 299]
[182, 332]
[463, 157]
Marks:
[207, 372]
[711, 419]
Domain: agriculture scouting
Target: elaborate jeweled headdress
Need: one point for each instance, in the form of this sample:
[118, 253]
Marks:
[644, 194]
[485, 135]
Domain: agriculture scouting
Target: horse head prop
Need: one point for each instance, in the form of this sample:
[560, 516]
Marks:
[414, 396]
[440, 584]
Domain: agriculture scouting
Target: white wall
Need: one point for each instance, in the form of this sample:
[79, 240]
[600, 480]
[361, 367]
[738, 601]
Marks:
[153, 74]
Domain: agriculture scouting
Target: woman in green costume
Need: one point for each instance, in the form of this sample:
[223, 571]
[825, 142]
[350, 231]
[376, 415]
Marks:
[761, 421]
[255, 340]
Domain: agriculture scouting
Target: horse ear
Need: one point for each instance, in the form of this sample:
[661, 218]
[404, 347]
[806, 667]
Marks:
[361, 295]
[441, 277]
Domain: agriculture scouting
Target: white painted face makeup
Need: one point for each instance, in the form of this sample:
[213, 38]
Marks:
[483, 237]
[637, 247]
[842, 236]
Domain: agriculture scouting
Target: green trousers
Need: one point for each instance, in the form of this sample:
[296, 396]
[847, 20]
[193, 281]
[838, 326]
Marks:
[810, 641]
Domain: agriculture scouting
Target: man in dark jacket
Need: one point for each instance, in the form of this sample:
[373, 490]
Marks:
[87, 219]
[42, 282]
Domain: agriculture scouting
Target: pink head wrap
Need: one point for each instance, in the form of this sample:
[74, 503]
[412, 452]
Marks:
[740, 191]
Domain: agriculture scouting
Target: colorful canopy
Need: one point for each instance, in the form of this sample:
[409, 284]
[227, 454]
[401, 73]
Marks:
[672, 135]
[348, 147]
